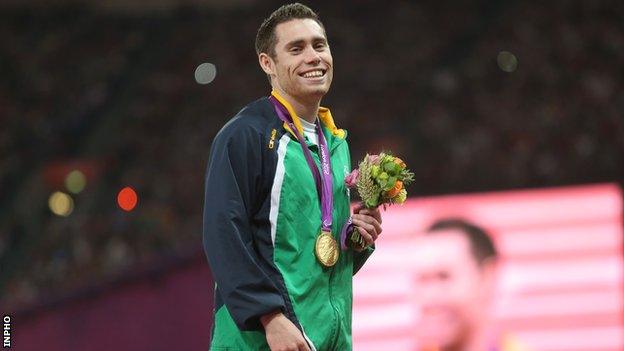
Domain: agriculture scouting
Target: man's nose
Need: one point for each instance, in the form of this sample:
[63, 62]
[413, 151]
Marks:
[312, 56]
[430, 293]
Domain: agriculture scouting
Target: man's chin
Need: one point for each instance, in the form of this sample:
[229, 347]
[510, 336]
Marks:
[439, 344]
[309, 92]
[443, 337]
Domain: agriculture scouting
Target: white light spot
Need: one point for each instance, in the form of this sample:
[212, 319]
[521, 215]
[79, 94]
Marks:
[205, 73]
[61, 204]
[507, 61]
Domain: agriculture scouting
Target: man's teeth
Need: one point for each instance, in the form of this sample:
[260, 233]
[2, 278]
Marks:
[313, 74]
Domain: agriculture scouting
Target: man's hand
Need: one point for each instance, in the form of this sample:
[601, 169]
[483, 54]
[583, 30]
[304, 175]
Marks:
[282, 334]
[368, 224]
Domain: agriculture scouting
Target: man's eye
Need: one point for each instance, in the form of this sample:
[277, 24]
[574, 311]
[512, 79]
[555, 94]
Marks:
[443, 276]
[319, 46]
[295, 49]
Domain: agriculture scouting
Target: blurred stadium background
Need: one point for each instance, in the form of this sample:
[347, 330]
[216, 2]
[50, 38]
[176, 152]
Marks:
[477, 96]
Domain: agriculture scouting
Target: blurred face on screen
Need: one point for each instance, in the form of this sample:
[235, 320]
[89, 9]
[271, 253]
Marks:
[452, 290]
[302, 67]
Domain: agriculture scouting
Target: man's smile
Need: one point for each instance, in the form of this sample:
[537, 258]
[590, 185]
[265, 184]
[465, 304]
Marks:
[313, 73]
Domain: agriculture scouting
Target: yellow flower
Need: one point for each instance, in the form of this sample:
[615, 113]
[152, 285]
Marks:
[400, 199]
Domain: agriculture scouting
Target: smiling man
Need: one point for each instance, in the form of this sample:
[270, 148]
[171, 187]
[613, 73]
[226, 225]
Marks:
[276, 204]
[456, 269]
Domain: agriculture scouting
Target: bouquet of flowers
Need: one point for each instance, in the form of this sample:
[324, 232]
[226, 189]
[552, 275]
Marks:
[379, 180]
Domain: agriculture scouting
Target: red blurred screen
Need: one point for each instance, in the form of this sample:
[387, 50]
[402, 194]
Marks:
[561, 278]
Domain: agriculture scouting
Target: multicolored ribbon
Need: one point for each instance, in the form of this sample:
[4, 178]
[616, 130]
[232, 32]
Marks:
[323, 180]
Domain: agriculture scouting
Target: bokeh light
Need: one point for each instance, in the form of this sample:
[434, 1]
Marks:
[127, 199]
[75, 181]
[205, 73]
[507, 61]
[61, 204]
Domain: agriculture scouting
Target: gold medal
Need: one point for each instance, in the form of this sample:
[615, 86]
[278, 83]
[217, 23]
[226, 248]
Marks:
[326, 249]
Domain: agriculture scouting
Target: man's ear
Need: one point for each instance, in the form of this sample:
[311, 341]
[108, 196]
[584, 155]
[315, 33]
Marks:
[266, 63]
[490, 272]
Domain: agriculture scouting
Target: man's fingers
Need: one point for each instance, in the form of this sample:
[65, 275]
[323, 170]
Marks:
[375, 223]
[369, 228]
[368, 222]
[365, 235]
[375, 213]
[303, 346]
[369, 218]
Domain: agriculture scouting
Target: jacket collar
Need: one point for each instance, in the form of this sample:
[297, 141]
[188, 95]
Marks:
[324, 115]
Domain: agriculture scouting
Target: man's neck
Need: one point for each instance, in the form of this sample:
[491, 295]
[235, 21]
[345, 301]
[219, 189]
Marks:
[305, 109]
[477, 340]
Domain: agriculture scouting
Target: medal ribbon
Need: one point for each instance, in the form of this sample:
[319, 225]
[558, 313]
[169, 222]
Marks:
[323, 180]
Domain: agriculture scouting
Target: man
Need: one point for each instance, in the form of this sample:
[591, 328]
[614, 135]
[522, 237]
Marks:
[276, 203]
[455, 271]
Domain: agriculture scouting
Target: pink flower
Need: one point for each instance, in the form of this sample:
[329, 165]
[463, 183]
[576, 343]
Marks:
[374, 159]
[351, 179]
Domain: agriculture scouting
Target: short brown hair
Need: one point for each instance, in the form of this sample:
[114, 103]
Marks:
[266, 38]
[482, 247]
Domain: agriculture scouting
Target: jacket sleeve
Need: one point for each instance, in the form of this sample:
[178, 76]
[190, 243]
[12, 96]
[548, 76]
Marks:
[359, 258]
[232, 180]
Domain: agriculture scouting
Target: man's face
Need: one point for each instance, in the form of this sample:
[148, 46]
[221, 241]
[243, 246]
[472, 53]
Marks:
[452, 290]
[302, 66]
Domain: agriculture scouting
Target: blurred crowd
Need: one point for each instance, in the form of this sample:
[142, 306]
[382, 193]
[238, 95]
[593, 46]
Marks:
[475, 96]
